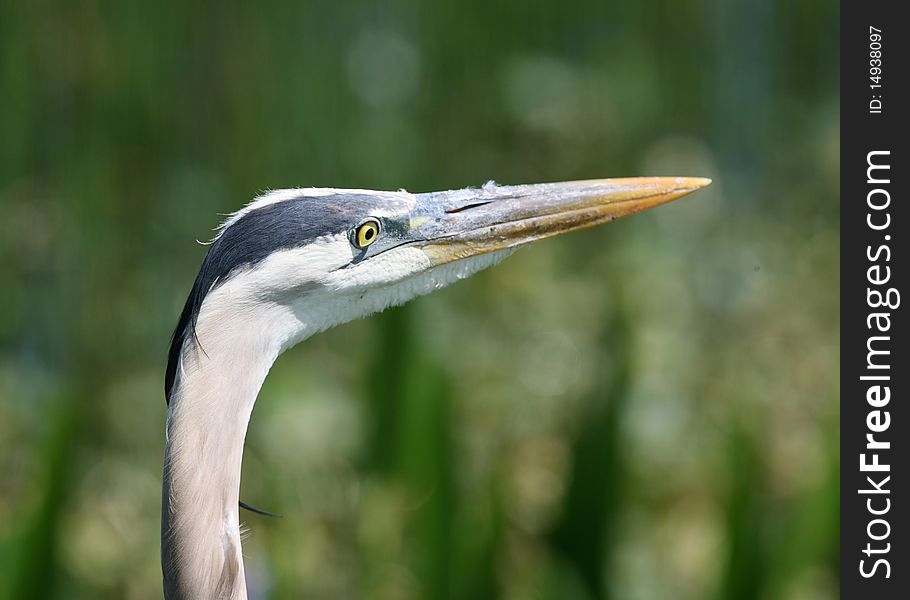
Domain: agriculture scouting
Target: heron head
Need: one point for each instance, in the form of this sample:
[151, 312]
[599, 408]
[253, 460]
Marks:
[320, 257]
[298, 243]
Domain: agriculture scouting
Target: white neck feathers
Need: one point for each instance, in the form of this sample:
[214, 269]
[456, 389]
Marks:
[216, 387]
[244, 324]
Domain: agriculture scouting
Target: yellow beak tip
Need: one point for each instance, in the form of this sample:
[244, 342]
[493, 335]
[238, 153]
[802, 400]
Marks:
[695, 182]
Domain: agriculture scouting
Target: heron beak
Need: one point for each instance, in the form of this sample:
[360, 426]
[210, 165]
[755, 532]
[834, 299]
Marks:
[471, 222]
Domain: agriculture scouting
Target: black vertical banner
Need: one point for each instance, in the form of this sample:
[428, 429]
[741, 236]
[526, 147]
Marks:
[875, 435]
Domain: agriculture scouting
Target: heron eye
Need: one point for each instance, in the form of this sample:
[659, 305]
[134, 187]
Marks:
[366, 233]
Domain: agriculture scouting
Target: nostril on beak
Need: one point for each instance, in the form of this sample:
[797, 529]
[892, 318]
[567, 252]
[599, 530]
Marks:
[466, 207]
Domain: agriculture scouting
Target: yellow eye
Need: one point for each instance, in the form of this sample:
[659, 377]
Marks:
[366, 233]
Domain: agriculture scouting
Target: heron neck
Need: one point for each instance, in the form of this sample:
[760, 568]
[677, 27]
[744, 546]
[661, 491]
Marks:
[208, 415]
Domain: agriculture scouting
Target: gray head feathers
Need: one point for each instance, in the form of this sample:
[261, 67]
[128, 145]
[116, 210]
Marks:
[278, 221]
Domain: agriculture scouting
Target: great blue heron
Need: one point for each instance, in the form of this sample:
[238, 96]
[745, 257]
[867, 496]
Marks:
[295, 262]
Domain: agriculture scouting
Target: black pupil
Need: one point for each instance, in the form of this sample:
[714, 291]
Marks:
[368, 234]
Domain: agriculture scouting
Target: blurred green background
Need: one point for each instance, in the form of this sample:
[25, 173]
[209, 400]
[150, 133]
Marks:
[643, 410]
